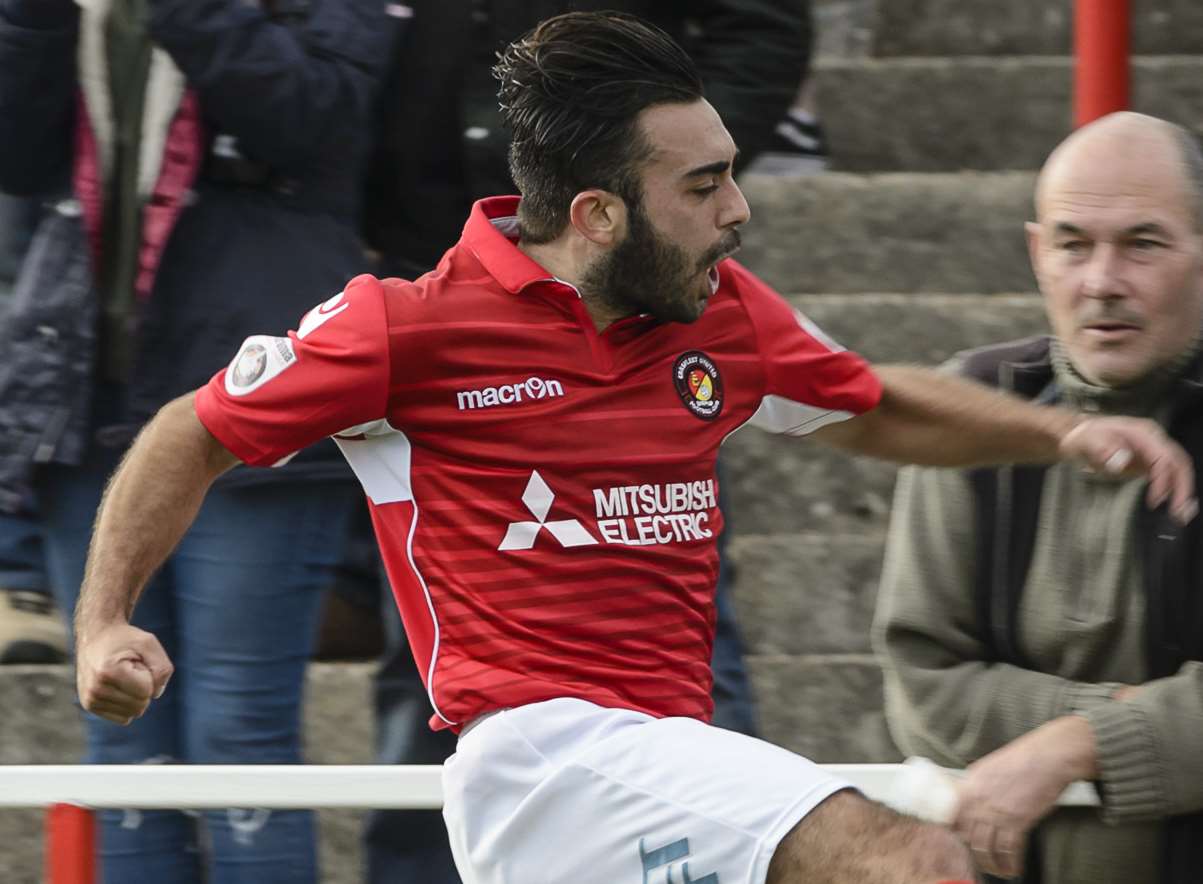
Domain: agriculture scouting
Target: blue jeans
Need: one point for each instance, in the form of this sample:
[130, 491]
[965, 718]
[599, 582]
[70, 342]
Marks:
[236, 607]
[22, 561]
[410, 846]
[406, 846]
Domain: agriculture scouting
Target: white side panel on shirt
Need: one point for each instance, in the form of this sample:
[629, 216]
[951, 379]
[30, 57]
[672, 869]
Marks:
[381, 461]
[777, 414]
[817, 333]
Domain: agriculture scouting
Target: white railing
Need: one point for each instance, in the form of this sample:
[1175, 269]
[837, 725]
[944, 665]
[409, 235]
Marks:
[195, 787]
[205, 786]
[72, 792]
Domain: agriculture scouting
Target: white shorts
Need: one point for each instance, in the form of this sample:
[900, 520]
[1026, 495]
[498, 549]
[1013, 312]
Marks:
[567, 792]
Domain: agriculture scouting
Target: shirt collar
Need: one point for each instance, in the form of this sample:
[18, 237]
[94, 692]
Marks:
[491, 234]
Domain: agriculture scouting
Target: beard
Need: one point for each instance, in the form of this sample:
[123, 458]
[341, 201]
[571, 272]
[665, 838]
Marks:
[648, 273]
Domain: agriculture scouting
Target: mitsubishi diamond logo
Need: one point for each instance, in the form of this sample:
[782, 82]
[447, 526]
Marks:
[538, 499]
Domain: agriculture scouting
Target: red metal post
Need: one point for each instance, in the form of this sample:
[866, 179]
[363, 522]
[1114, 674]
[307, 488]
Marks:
[70, 845]
[1102, 46]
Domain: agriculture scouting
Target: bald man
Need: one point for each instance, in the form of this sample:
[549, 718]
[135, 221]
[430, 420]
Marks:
[1039, 625]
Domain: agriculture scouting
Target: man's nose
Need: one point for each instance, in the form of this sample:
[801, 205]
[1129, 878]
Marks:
[735, 210]
[1102, 272]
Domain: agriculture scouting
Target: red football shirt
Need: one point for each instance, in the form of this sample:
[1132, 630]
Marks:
[543, 495]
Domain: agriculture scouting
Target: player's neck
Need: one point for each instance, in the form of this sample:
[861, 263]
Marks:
[567, 261]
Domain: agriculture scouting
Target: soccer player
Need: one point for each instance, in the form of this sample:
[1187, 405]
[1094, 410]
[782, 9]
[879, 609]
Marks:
[535, 424]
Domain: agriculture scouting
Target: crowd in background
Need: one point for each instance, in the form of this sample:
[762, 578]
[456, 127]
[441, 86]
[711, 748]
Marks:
[191, 174]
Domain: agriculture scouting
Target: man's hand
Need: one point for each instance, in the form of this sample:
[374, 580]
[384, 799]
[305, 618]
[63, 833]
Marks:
[119, 671]
[1124, 446]
[1005, 794]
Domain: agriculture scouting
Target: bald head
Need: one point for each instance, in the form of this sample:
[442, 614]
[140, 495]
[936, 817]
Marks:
[1118, 246]
[1126, 153]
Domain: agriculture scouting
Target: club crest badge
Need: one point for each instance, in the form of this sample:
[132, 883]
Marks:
[698, 384]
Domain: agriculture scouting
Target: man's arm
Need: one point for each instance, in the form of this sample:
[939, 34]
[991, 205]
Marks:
[331, 375]
[148, 505]
[1006, 793]
[945, 698]
[929, 418]
[1024, 735]
[1141, 748]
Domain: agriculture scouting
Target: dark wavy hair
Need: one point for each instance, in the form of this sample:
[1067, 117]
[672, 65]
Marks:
[571, 93]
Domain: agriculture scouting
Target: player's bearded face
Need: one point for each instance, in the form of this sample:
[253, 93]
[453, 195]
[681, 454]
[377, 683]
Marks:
[649, 273]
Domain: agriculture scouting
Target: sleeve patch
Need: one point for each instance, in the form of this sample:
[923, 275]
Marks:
[260, 359]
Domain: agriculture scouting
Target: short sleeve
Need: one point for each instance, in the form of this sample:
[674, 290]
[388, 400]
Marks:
[810, 380]
[280, 394]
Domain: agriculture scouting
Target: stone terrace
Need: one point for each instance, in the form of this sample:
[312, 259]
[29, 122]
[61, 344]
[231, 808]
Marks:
[938, 112]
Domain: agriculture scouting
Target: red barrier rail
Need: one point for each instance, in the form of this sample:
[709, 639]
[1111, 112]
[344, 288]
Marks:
[70, 845]
[1102, 47]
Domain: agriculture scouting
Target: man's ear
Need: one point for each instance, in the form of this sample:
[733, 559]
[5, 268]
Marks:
[599, 216]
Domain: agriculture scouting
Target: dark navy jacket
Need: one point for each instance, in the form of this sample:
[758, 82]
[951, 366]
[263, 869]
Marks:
[295, 91]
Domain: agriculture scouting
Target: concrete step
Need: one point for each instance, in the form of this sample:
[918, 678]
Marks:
[783, 485]
[828, 708]
[1022, 27]
[843, 28]
[898, 232]
[927, 328]
[806, 594]
[945, 114]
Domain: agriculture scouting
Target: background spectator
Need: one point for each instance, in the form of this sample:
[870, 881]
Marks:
[209, 189]
[799, 143]
[30, 630]
[18, 216]
[1041, 625]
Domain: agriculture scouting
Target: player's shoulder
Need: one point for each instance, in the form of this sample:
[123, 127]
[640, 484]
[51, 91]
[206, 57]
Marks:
[739, 286]
[369, 287]
[395, 300]
[738, 282]
[455, 285]
[363, 289]
[359, 301]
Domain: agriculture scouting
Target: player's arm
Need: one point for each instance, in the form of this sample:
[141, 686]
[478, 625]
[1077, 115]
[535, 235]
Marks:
[278, 396]
[148, 505]
[929, 418]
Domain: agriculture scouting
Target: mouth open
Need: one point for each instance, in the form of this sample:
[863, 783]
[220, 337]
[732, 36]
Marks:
[712, 277]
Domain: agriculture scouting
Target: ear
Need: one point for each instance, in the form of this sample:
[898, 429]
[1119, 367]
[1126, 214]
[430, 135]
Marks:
[1032, 230]
[599, 216]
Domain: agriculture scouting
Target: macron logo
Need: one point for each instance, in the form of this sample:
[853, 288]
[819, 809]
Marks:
[538, 499]
[509, 394]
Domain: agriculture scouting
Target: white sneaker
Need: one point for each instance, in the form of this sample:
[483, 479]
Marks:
[30, 628]
[799, 148]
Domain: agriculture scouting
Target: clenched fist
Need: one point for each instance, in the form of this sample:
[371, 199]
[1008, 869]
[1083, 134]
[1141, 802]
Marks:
[119, 670]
